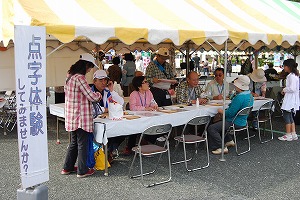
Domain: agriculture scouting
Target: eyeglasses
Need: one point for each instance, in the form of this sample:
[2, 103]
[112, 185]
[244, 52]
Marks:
[219, 75]
[144, 82]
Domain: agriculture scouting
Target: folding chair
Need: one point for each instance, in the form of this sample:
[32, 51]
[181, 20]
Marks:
[264, 115]
[187, 138]
[244, 112]
[152, 149]
[11, 114]
[202, 82]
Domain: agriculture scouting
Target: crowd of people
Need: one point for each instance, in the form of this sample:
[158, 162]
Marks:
[150, 91]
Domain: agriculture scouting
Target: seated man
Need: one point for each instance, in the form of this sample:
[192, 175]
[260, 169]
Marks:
[241, 100]
[214, 89]
[188, 91]
[103, 85]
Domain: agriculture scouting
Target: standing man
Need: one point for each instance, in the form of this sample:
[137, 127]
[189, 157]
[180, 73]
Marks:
[160, 76]
[196, 60]
[205, 67]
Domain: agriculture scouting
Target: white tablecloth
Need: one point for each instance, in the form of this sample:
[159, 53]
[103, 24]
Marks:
[57, 109]
[127, 127]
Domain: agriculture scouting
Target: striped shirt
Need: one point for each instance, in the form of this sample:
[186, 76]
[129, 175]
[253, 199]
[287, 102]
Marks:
[78, 106]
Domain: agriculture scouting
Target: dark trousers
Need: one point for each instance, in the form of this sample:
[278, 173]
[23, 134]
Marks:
[114, 143]
[125, 91]
[77, 148]
[132, 140]
[160, 96]
[214, 133]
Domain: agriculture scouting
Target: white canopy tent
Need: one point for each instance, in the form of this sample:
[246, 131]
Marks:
[228, 24]
[110, 24]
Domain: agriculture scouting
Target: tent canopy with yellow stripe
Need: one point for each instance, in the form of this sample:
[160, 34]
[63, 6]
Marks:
[257, 22]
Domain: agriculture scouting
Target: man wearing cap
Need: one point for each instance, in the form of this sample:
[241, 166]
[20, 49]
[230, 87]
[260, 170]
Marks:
[160, 76]
[104, 86]
[243, 99]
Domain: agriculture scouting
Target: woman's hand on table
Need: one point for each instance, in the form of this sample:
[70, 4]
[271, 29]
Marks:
[150, 109]
[202, 101]
[255, 95]
[220, 110]
[218, 97]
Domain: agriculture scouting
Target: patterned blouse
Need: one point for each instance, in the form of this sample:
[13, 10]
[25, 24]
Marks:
[78, 106]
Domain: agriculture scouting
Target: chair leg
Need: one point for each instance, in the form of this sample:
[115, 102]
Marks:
[236, 146]
[186, 160]
[170, 171]
[142, 174]
[184, 155]
[271, 130]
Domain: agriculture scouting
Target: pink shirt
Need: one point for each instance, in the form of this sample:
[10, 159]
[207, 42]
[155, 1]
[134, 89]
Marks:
[78, 107]
[138, 101]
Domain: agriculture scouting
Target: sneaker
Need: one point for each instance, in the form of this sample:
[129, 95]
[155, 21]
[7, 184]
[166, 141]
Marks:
[230, 144]
[66, 172]
[115, 153]
[89, 173]
[127, 151]
[295, 136]
[219, 151]
[286, 137]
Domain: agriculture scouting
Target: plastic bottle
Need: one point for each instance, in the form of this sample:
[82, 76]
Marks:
[197, 102]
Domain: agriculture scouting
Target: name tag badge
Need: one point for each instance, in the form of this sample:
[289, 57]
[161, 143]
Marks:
[168, 96]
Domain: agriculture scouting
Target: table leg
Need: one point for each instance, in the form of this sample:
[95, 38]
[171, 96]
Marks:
[106, 161]
[57, 130]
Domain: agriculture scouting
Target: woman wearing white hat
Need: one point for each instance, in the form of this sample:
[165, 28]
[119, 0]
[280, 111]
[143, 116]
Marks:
[241, 100]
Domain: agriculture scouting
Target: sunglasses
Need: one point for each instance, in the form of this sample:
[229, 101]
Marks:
[219, 75]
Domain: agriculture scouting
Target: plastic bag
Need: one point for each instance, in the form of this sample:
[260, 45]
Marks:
[90, 162]
[100, 160]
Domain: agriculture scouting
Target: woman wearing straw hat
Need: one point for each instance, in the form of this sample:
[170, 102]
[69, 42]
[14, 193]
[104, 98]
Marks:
[258, 87]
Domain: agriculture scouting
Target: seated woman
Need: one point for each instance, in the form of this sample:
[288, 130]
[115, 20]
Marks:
[140, 99]
[243, 99]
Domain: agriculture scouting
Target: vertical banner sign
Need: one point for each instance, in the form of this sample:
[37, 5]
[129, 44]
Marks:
[30, 70]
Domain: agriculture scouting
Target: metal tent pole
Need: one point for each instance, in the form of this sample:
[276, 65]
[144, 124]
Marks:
[224, 101]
